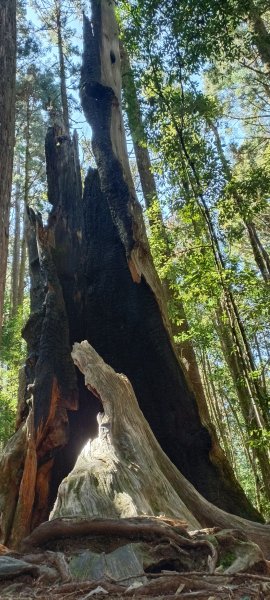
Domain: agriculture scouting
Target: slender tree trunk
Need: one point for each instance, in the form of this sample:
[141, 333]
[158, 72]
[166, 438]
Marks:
[27, 159]
[249, 452]
[262, 363]
[7, 128]
[137, 132]
[16, 243]
[246, 401]
[62, 70]
[261, 256]
[21, 284]
[218, 412]
[261, 35]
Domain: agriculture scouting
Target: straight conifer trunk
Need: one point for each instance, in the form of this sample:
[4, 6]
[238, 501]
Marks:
[7, 128]
[16, 242]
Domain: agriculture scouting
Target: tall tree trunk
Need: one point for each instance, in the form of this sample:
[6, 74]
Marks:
[246, 400]
[62, 70]
[137, 130]
[261, 35]
[261, 256]
[27, 159]
[16, 243]
[7, 128]
[21, 284]
[214, 403]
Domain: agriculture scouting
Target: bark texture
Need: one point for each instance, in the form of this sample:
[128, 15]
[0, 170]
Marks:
[129, 329]
[7, 128]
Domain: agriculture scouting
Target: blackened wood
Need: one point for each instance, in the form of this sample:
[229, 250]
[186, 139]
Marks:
[128, 325]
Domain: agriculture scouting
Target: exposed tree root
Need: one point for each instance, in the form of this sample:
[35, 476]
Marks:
[140, 528]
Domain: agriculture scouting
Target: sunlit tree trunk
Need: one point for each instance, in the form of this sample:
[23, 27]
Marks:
[23, 256]
[27, 159]
[62, 70]
[17, 241]
[246, 400]
[260, 254]
[7, 128]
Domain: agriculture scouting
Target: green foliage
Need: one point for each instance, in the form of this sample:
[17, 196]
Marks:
[12, 356]
[203, 89]
[227, 559]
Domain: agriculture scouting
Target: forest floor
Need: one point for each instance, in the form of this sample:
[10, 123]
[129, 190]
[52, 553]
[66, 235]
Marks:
[207, 564]
[233, 588]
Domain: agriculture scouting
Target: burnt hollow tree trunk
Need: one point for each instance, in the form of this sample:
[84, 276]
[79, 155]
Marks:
[93, 279]
[129, 329]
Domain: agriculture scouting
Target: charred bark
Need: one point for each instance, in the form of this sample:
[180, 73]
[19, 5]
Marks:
[129, 329]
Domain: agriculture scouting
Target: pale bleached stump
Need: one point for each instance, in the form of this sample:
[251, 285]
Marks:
[119, 474]
[124, 472]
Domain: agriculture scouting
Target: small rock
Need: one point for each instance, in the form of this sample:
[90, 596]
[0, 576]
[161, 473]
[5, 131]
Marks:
[13, 567]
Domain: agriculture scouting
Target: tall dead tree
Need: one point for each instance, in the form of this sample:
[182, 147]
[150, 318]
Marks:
[92, 278]
[129, 330]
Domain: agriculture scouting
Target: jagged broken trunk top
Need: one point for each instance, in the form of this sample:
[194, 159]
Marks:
[92, 278]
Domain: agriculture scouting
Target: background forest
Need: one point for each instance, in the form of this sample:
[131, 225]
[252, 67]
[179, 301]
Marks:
[196, 96]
